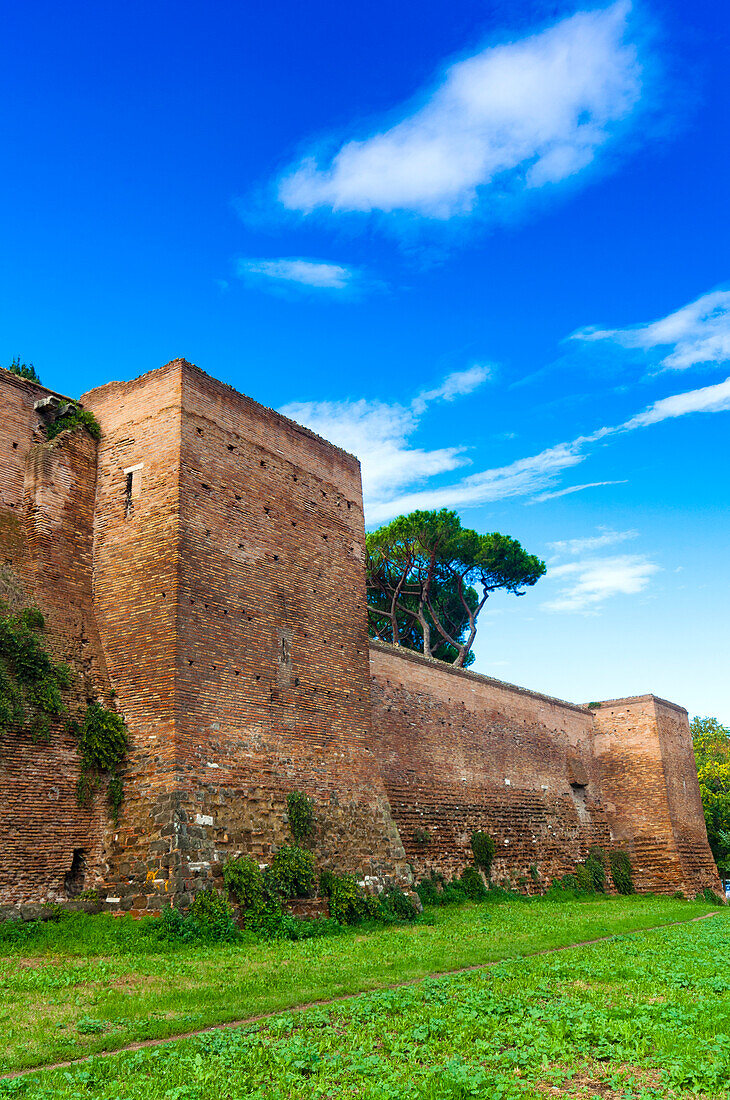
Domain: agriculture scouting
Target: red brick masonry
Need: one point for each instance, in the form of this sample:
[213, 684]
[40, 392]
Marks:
[205, 562]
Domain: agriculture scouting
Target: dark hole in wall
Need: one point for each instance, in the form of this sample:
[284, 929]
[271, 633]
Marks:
[73, 881]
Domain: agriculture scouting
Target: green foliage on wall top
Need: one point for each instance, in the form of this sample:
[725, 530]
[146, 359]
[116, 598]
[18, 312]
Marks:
[75, 418]
[23, 370]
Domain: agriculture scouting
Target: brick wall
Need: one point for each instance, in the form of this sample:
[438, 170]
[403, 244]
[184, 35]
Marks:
[231, 606]
[460, 752]
[644, 753]
[47, 495]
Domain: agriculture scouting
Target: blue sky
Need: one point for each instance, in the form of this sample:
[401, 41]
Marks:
[484, 245]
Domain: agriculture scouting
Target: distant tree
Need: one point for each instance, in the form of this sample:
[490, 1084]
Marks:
[428, 578]
[23, 370]
[711, 742]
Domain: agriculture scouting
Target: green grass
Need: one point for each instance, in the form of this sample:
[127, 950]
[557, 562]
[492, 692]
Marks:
[88, 984]
[639, 1016]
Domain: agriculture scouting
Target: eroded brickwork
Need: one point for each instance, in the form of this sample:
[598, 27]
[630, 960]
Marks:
[48, 843]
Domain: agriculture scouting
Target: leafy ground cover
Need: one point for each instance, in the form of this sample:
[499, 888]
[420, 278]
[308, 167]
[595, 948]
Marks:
[635, 1017]
[97, 983]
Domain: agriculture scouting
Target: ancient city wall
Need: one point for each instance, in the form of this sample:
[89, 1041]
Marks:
[460, 752]
[48, 843]
[204, 566]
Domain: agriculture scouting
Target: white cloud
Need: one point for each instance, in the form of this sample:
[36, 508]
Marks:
[698, 333]
[379, 435]
[511, 118]
[708, 399]
[587, 584]
[459, 384]
[592, 542]
[315, 274]
[573, 489]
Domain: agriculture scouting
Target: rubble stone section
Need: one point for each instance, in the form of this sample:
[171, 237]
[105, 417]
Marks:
[460, 752]
[644, 751]
[49, 846]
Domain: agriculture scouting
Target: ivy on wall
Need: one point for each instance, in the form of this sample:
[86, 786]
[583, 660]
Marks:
[32, 684]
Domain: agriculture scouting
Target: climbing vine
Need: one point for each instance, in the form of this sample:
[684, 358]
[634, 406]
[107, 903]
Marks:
[301, 815]
[31, 687]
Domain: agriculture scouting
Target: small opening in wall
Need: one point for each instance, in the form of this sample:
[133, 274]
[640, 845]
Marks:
[262, 463]
[199, 431]
[128, 502]
[15, 446]
[276, 557]
[231, 447]
[238, 497]
[73, 881]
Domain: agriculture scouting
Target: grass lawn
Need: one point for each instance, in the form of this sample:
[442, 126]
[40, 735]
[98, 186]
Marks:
[87, 984]
[639, 1016]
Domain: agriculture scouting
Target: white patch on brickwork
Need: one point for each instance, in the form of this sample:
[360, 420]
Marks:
[113, 901]
[203, 819]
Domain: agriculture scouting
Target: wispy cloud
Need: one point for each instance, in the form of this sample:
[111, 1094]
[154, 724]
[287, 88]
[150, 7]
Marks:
[394, 470]
[573, 489]
[592, 542]
[709, 399]
[697, 334]
[508, 120]
[298, 272]
[379, 434]
[458, 384]
[585, 585]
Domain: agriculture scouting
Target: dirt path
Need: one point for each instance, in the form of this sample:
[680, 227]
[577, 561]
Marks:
[338, 1000]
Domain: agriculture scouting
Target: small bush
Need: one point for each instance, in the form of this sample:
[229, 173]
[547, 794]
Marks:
[300, 811]
[483, 847]
[596, 867]
[348, 902]
[76, 417]
[399, 904]
[421, 836]
[679, 895]
[244, 880]
[710, 897]
[621, 872]
[291, 874]
[472, 884]
[23, 370]
[206, 922]
[583, 877]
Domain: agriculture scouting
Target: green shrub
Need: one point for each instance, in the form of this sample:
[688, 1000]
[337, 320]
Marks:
[472, 883]
[679, 895]
[244, 880]
[300, 811]
[23, 370]
[291, 874]
[596, 866]
[710, 897]
[208, 921]
[76, 417]
[621, 872]
[421, 836]
[583, 876]
[31, 682]
[208, 907]
[348, 902]
[399, 904]
[483, 847]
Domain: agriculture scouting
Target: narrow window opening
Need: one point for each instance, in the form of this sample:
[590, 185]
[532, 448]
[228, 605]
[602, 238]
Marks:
[73, 881]
[132, 488]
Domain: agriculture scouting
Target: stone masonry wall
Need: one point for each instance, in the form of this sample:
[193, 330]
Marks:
[460, 752]
[49, 845]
